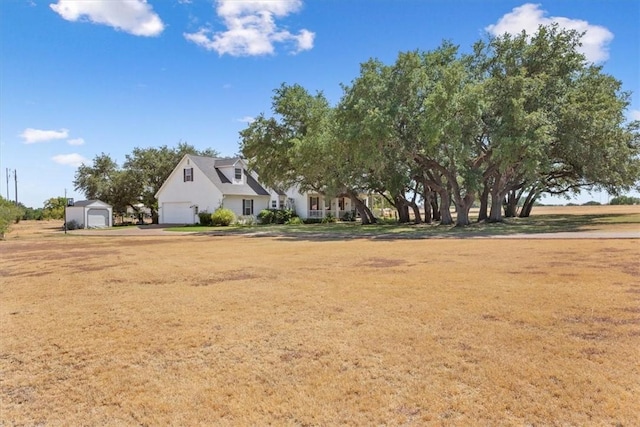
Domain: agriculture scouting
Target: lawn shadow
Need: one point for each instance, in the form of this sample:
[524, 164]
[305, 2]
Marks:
[543, 224]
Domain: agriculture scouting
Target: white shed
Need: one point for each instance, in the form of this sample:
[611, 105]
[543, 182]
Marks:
[90, 214]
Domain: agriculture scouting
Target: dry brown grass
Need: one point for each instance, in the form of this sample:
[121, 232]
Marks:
[233, 330]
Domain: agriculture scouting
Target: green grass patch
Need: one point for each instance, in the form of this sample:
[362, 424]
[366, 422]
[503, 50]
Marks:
[552, 223]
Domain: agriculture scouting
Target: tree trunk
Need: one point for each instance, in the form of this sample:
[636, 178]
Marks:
[402, 207]
[495, 214]
[416, 213]
[528, 203]
[484, 203]
[366, 216]
[363, 215]
[445, 204]
[513, 199]
[428, 214]
[370, 215]
[434, 207]
[462, 210]
[155, 218]
[511, 204]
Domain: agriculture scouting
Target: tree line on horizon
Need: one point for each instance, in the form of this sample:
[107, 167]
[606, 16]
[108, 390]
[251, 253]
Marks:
[521, 116]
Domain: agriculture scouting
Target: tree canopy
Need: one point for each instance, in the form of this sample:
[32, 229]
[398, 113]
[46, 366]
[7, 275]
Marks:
[54, 208]
[9, 215]
[302, 147]
[137, 181]
[519, 116]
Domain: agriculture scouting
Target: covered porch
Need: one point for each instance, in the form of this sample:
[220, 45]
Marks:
[322, 207]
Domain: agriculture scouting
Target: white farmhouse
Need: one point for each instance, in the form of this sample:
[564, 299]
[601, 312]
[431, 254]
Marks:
[203, 184]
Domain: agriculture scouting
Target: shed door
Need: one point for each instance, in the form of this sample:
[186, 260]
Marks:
[177, 213]
[98, 218]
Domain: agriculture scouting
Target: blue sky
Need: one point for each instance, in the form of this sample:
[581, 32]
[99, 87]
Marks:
[82, 77]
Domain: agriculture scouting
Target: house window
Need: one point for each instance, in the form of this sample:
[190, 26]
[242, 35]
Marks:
[314, 203]
[274, 204]
[238, 174]
[247, 206]
[188, 174]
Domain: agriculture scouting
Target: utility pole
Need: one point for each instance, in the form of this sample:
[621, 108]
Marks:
[15, 177]
[66, 202]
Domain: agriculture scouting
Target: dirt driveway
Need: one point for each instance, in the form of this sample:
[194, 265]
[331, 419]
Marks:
[138, 230]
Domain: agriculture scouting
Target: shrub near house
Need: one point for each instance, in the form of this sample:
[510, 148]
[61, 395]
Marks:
[222, 217]
[275, 216]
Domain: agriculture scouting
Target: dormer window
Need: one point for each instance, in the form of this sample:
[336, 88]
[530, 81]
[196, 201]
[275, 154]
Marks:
[238, 174]
[188, 174]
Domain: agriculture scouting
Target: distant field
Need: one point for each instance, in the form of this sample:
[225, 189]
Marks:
[246, 330]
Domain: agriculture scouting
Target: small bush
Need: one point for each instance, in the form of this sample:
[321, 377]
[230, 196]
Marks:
[223, 217]
[591, 203]
[313, 220]
[74, 225]
[246, 220]
[275, 216]
[266, 216]
[329, 218]
[283, 215]
[295, 221]
[349, 216]
[205, 218]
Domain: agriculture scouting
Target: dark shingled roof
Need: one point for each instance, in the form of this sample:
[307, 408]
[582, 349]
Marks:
[209, 166]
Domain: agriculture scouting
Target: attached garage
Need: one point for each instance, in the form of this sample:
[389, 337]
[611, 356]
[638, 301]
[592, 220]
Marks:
[90, 214]
[177, 213]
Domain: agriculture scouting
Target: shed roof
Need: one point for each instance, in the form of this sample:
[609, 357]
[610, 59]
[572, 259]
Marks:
[85, 203]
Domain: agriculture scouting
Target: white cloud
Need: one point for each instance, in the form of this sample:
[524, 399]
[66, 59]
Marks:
[246, 119]
[132, 16]
[251, 28]
[75, 141]
[634, 115]
[73, 159]
[31, 136]
[595, 42]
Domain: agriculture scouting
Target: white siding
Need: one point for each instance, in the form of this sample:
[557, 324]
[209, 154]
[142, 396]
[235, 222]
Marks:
[76, 213]
[200, 192]
[301, 201]
[234, 203]
[101, 215]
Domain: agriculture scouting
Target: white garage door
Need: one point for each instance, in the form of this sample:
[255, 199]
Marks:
[177, 213]
[98, 218]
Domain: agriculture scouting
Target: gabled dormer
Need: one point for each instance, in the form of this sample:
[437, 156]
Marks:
[238, 175]
[233, 170]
